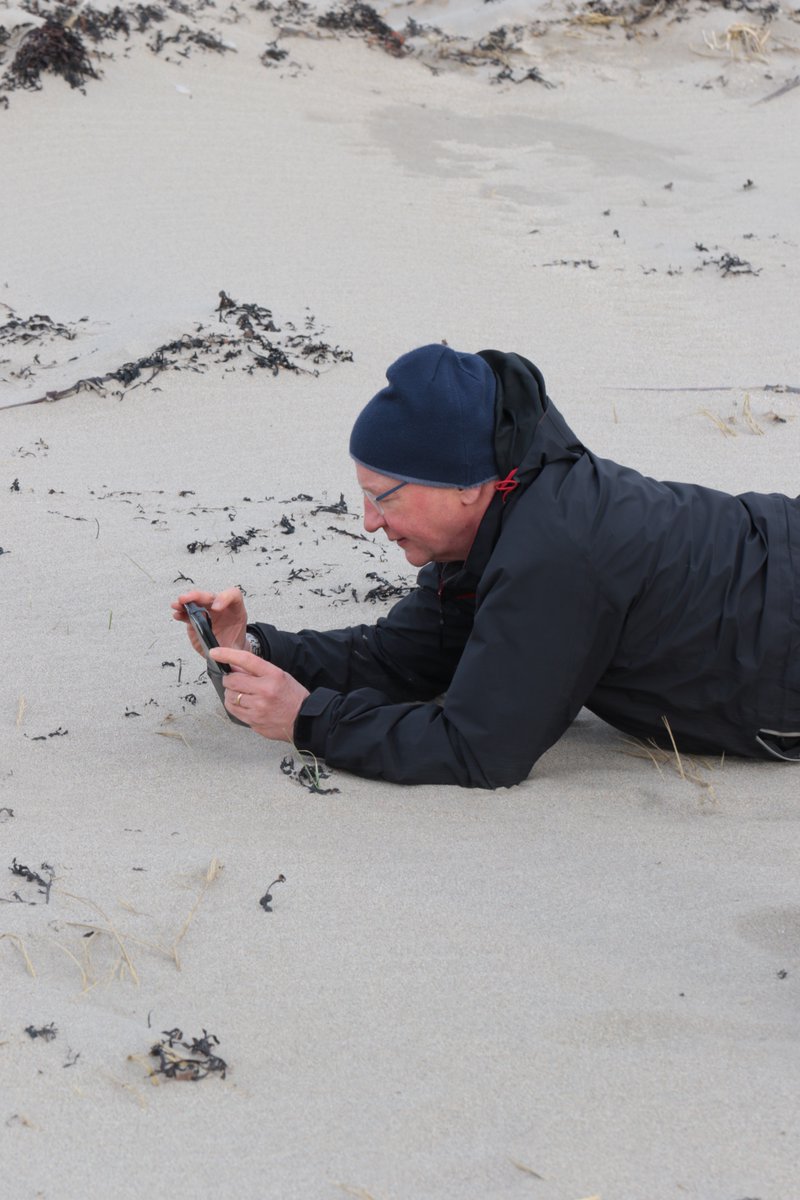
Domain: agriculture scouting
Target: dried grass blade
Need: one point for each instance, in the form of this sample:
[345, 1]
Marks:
[681, 771]
[214, 868]
[720, 424]
[111, 929]
[86, 985]
[18, 942]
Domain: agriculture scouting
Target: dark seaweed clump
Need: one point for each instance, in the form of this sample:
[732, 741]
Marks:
[266, 899]
[309, 774]
[247, 339]
[187, 37]
[45, 880]
[100, 26]
[384, 590]
[362, 19]
[199, 1062]
[634, 12]
[21, 330]
[53, 49]
[47, 1033]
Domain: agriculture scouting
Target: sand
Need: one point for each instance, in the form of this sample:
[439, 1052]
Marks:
[586, 985]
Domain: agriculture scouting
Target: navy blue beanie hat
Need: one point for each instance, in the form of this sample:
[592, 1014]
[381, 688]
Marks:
[433, 423]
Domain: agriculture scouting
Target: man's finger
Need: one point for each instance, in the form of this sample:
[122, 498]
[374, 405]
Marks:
[243, 660]
[203, 599]
[236, 686]
[223, 599]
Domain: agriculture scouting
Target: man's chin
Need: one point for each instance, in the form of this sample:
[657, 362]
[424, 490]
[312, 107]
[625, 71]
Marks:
[416, 556]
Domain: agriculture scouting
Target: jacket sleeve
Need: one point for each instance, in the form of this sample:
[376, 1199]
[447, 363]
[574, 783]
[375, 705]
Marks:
[543, 634]
[410, 654]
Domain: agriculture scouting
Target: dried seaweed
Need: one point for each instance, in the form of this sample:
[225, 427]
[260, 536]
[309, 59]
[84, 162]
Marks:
[50, 48]
[187, 37]
[362, 20]
[729, 264]
[45, 881]
[338, 509]
[385, 590]
[357, 537]
[15, 898]
[246, 337]
[237, 540]
[266, 899]
[101, 26]
[507, 74]
[573, 262]
[198, 1063]
[48, 1033]
[35, 328]
[60, 732]
[309, 774]
[273, 54]
[627, 12]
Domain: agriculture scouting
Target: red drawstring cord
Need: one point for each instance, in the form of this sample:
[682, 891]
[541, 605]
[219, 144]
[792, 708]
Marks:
[506, 486]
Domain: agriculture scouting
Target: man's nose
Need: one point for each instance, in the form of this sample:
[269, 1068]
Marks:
[373, 520]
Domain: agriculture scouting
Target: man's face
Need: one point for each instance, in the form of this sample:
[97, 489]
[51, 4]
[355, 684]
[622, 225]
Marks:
[429, 524]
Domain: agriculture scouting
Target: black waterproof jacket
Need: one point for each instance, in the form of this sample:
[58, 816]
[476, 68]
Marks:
[588, 584]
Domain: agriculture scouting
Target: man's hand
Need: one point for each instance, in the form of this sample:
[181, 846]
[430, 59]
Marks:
[226, 610]
[261, 694]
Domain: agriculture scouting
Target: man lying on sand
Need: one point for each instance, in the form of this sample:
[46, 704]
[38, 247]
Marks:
[551, 579]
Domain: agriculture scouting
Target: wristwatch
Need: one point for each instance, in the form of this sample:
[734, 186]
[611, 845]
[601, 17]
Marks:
[253, 644]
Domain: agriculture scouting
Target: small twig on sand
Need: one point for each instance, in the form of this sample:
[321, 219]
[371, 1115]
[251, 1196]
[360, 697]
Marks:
[752, 387]
[526, 1170]
[133, 560]
[787, 87]
[21, 709]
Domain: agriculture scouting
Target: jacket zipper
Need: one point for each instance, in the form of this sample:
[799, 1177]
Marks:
[440, 595]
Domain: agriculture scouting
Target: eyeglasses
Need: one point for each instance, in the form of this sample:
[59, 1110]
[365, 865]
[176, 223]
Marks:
[376, 501]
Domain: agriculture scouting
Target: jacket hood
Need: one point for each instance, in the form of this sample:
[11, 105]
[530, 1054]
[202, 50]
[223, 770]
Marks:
[529, 430]
[530, 433]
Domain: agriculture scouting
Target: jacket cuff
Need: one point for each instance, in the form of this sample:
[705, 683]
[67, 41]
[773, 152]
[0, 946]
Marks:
[313, 722]
[276, 647]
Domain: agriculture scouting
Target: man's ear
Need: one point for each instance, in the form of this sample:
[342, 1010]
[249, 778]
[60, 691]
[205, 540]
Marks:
[474, 495]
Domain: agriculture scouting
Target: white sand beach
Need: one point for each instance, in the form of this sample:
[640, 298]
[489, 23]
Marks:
[584, 986]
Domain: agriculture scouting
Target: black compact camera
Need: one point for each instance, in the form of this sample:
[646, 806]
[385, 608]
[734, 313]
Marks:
[201, 624]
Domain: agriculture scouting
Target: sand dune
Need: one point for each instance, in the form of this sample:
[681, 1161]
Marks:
[584, 986]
